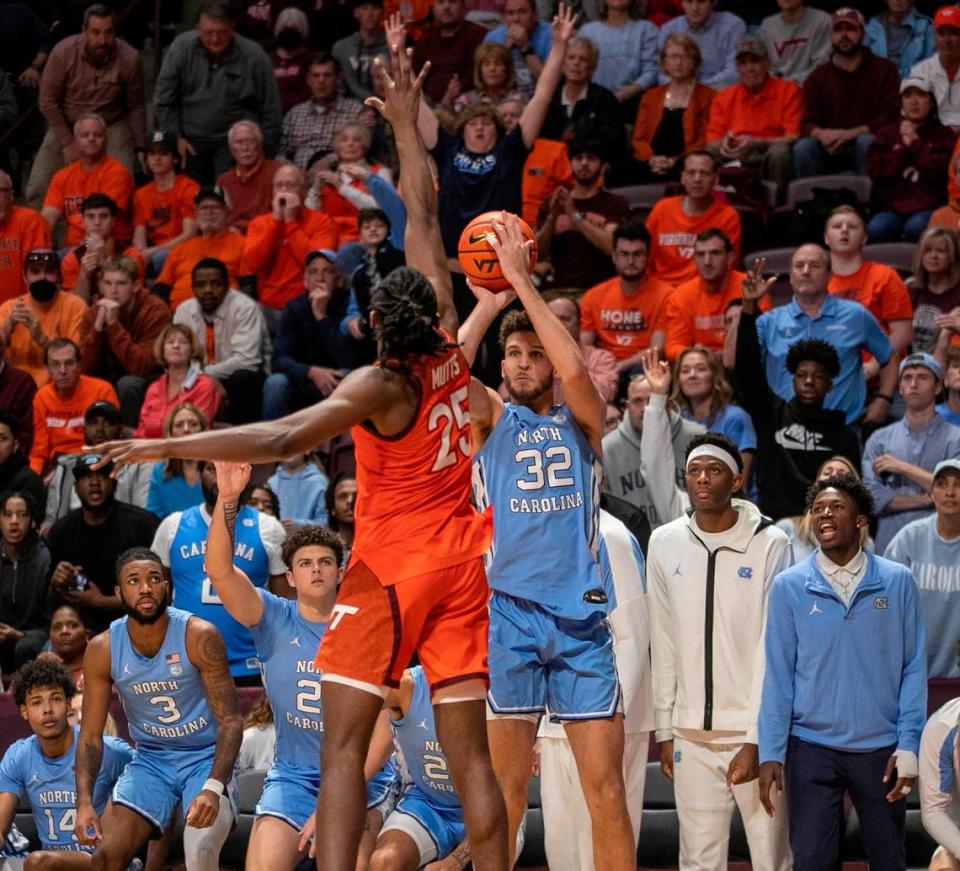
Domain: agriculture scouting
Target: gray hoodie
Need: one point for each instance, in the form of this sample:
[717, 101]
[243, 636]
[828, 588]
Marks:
[631, 474]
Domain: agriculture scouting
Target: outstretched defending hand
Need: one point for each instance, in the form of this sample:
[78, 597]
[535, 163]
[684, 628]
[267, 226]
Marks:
[231, 478]
[511, 247]
[401, 88]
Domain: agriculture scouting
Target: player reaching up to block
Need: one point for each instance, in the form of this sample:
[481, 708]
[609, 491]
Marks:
[550, 644]
[170, 669]
[415, 579]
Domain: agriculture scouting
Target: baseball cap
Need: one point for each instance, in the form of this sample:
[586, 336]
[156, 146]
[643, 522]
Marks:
[945, 466]
[751, 45]
[326, 253]
[947, 16]
[915, 82]
[847, 15]
[85, 463]
[923, 359]
[210, 191]
[161, 140]
[102, 408]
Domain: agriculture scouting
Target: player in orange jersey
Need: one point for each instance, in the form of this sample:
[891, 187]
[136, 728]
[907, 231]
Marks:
[415, 579]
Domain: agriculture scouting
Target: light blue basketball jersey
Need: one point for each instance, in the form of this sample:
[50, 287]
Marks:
[193, 592]
[418, 749]
[163, 697]
[542, 478]
[50, 785]
[286, 644]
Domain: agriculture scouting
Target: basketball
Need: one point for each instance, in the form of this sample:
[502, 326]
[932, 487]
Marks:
[476, 254]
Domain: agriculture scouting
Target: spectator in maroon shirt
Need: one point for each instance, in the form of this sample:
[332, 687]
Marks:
[289, 58]
[449, 45]
[249, 185]
[17, 390]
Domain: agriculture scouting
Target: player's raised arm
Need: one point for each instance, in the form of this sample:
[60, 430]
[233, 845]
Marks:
[234, 588]
[583, 399]
[207, 653]
[96, 705]
[423, 246]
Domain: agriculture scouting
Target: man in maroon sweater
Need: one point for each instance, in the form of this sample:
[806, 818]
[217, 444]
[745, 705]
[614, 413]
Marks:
[17, 390]
[845, 101]
[449, 45]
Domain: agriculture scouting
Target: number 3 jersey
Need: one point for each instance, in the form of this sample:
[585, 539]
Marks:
[286, 644]
[542, 479]
[50, 785]
[413, 512]
[163, 696]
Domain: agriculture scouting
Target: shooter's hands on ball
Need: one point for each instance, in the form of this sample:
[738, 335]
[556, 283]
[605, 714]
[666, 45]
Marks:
[231, 479]
[487, 299]
[512, 248]
[401, 104]
[203, 810]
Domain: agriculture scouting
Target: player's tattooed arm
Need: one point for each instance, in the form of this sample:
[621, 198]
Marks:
[208, 653]
[230, 519]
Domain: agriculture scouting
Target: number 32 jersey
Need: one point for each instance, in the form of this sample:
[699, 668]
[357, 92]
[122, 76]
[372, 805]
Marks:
[413, 512]
[542, 479]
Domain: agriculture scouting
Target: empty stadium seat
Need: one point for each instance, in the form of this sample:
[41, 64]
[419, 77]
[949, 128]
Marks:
[896, 255]
[801, 190]
[777, 260]
[641, 196]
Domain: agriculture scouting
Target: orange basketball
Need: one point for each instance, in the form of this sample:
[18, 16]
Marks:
[476, 254]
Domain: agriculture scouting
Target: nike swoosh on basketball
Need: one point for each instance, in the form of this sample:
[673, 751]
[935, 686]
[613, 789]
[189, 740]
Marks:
[477, 237]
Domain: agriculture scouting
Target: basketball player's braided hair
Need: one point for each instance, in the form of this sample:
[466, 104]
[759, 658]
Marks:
[407, 318]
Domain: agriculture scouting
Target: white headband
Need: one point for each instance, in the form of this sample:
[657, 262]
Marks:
[717, 453]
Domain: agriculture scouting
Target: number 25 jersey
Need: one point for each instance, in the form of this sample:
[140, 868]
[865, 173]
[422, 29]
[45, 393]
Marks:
[542, 478]
[413, 512]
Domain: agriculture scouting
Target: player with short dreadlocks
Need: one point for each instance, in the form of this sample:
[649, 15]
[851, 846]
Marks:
[415, 579]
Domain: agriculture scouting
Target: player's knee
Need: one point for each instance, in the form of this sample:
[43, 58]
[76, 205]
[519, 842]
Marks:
[108, 860]
[386, 859]
[603, 793]
[39, 861]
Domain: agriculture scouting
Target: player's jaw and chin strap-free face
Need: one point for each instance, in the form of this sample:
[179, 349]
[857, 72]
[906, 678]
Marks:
[315, 575]
[712, 477]
[46, 711]
[143, 591]
[527, 371]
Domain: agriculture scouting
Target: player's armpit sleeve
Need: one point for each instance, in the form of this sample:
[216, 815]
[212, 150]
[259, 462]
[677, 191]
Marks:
[936, 784]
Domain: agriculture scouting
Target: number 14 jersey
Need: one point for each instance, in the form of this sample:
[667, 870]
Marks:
[542, 479]
[413, 512]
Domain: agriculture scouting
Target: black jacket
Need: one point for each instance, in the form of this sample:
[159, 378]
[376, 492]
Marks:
[793, 440]
[23, 586]
[16, 475]
[595, 118]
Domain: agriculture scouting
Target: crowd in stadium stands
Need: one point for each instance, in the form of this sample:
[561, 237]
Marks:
[197, 248]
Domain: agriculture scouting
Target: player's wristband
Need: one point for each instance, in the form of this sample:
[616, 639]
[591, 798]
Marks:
[213, 785]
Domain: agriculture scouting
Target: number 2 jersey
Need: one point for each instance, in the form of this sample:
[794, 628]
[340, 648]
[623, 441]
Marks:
[50, 785]
[542, 479]
[413, 511]
[163, 696]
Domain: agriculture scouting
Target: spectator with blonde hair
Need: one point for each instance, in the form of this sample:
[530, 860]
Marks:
[175, 484]
[935, 291]
[179, 353]
[672, 118]
[494, 79]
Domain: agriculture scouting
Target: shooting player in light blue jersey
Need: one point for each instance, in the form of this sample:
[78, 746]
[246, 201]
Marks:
[539, 469]
[40, 768]
[172, 675]
[287, 634]
[181, 540]
[930, 548]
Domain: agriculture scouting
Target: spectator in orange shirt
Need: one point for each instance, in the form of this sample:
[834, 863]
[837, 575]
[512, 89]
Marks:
[29, 322]
[213, 240]
[94, 171]
[249, 185]
[675, 222]
[277, 243]
[21, 230]
[624, 315]
[694, 312]
[757, 120]
[672, 118]
[118, 334]
[876, 287]
[80, 269]
[59, 406]
[163, 213]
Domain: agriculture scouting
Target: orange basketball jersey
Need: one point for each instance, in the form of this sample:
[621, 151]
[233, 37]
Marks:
[413, 512]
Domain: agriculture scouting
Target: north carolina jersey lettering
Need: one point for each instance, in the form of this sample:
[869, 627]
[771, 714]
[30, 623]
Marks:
[286, 645]
[413, 513]
[50, 785]
[193, 592]
[163, 696]
[418, 749]
[542, 479]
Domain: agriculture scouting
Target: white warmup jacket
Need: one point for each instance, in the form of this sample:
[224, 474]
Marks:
[939, 772]
[708, 608]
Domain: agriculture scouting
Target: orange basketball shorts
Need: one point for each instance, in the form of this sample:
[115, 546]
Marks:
[375, 629]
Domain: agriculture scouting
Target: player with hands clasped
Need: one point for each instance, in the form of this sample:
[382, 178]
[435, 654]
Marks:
[170, 670]
[845, 689]
[550, 644]
[709, 574]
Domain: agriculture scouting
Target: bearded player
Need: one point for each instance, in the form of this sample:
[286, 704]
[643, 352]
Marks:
[415, 579]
